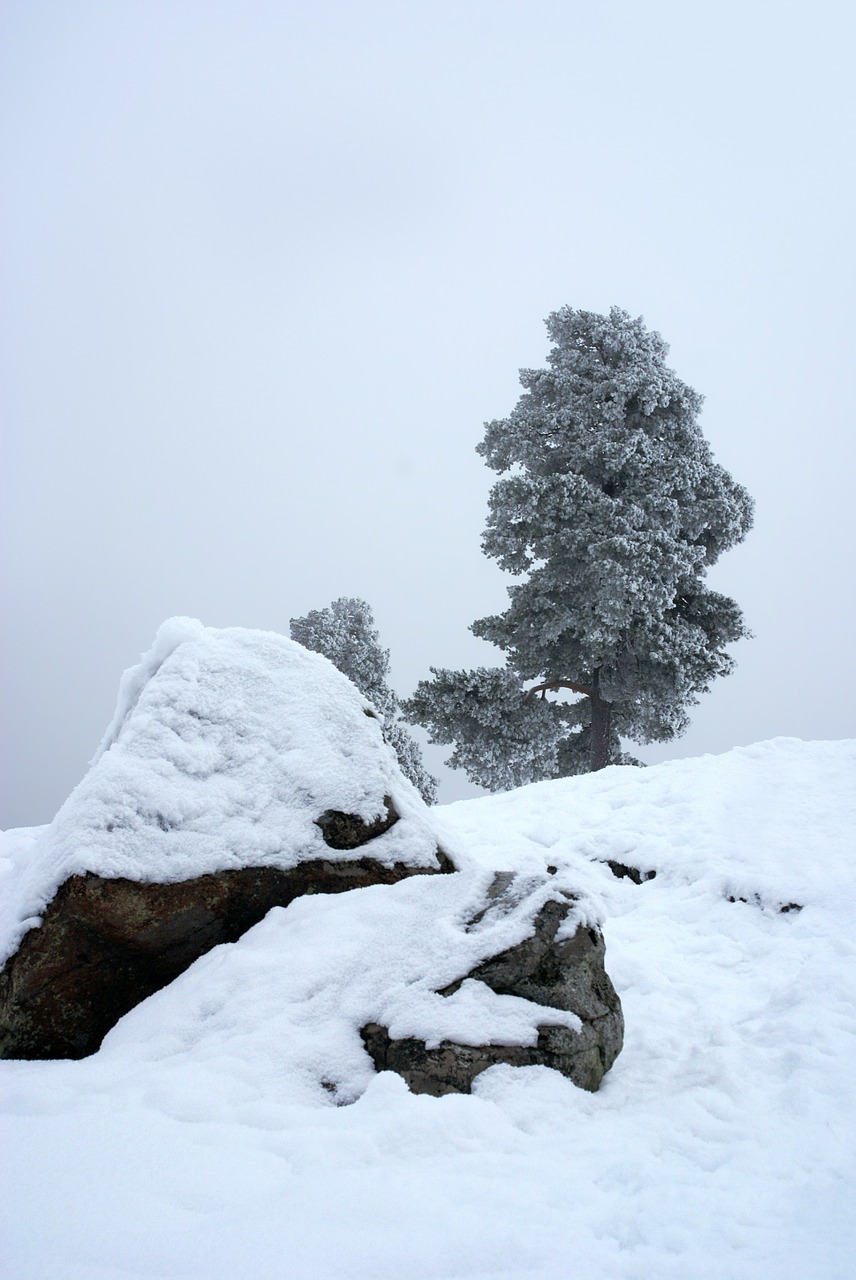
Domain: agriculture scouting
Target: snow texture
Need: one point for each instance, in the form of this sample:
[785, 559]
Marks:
[345, 632]
[225, 748]
[204, 1139]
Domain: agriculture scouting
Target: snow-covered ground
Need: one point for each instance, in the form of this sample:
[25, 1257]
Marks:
[200, 1141]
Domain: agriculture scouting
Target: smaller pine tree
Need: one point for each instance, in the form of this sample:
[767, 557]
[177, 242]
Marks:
[345, 632]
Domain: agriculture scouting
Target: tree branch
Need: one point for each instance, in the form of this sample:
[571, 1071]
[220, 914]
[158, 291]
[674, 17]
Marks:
[553, 685]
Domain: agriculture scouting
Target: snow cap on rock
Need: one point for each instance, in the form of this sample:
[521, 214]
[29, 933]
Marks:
[225, 749]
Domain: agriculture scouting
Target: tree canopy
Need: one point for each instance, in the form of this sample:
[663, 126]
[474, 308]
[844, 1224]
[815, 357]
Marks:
[611, 509]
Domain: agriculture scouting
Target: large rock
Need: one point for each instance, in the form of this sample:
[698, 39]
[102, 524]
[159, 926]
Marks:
[240, 772]
[556, 973]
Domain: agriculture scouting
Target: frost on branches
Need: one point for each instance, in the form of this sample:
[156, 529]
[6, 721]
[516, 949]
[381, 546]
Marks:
[610, 508]
[346, 634]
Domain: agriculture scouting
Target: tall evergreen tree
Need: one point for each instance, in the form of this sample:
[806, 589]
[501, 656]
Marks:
[613, 508]
[345, 633]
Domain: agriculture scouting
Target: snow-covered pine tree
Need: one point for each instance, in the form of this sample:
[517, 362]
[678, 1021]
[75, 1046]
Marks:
[612, 505]
[345, 632]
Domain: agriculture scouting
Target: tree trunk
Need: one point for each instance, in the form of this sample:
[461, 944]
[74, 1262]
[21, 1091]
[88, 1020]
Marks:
[601, 726]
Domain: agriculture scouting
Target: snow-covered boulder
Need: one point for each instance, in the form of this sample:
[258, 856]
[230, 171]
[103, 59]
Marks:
[558, 965]
[240, 771]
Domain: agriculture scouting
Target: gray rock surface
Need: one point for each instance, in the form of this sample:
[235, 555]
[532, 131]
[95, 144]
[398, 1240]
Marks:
[564, 974]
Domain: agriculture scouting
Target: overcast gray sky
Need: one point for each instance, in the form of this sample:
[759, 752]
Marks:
[268, 267]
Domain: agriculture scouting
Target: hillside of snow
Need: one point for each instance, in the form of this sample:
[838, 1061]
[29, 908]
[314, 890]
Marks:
[201, 1141]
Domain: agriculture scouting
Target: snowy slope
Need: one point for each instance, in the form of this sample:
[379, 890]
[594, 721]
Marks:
[201, 1142]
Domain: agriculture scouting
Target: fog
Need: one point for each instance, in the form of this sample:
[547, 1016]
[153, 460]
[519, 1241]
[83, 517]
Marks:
[267, 269]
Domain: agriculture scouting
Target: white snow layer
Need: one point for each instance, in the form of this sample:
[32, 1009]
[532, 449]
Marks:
[225, 747]
[204, 1139]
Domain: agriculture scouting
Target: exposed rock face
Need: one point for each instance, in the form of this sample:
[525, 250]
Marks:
[348, 831]
[622, 872]
[105, 945]
[567, 974]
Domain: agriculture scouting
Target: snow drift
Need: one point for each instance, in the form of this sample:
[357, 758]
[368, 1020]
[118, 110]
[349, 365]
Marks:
[208, 1136]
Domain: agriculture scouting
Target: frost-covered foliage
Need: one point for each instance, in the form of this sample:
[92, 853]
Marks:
[612, 505]
[345, 632]
[499, 742]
